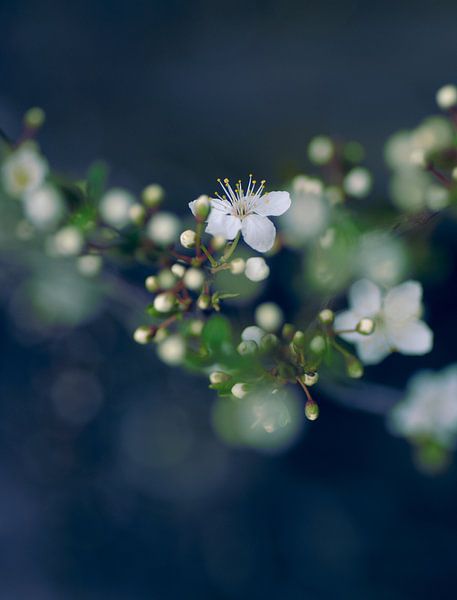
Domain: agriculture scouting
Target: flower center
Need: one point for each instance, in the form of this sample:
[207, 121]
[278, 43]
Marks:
[242, 201]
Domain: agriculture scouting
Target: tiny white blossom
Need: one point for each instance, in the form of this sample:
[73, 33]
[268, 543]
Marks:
[23, 171]
[44, 207]
[269, 316]
[446, 97]
[194, 279]
[256, 269]
[396, 315]
[358, 182]
[172, 350]
[163, 228]
[68, 241]
[115, 207]
[430, 407]
[246, 211]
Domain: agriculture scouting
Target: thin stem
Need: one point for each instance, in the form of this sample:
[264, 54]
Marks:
[208, 255]
[306, 390]
[231, 249]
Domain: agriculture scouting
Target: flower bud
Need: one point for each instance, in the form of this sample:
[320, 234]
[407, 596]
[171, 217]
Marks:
[202, 207]
[299, 340]
[218, 242]
[354, 368]
[152, 284]
[143, 334]
[268, 342]
[161, 335]
[89, 265]
[34, 118]
[152, 195]
[320, 150]
[310, 378]
[311, 410]
[163, 228]
[194, 279]
[365, 326]
[269, 316]
[418, 158]
[326, 316]
[204, 302]
[172, 350]
[256, 269]
[137, 213]
[247, 347]
[239, 390]
[178, 270]
[196, 327]
[188, 238]
[237, 266]
[166, 279]
[317, 344]
[446, 97]
[288, 332]
[358, 182]
[164, 302]
[218, 377]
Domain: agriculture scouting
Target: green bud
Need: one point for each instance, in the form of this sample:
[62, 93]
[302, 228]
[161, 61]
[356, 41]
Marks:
[152, 284]
[354, 368]
[288, 331]
[202, 207]
[311, 410]
[166, 279]
[152, 195]
[218, 377]
[247, 347]
[326, 316]
[299, 340]
[204, 302]
[34, 118]
[317, 344]
[268, 342]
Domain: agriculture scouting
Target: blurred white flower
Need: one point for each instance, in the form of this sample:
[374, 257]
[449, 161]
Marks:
[252, 334]
[358, 182]
[89, 265]
[397, 318]
[381, 257]
[163, 228]
[308, 214]
[429, 409]
[446, 97]
[172, 350]
[269, 316]
[256, 269]
[44, 207]
[320, 150]
[115, 207]
[23, 171]
[246, 211]
[68, 241]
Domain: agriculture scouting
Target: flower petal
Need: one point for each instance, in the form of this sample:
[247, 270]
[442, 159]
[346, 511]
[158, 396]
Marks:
[258, 232]
[219, 223]
[412, 337]
[372, 349]
[403, 302]
[365, 298]
[272, 204]
[347, 320]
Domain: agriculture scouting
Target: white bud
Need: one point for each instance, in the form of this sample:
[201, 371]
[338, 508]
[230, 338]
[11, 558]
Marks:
[358, 182]
[178, 270]
[252, 333]
[239, 390]
[237, 266]
[194, 279]
[164, 302]
[269, 316]
[446, 97]
[166, 279]
[188, 238]
[152, 195]
[89, 265]
[151, 283]
[115, 207]
[310, 378]
[172, 350]
[247, 347]
[201, 207]
[317, 344]
[256, 269]
[163, 228]
[365, 326]
[218, 377]
[137, 213]
[326, 316]
[67, 242]
[142, 334]
[218, 242]
[23, 171]
[418, 158]
[196, 327]
[204, 302]
[44, 207]
[320, 150]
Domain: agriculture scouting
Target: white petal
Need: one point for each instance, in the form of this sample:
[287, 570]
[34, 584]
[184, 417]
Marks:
[413, 337]
[272, 204]
[365, 298]
[403, 301]
[372, 349]
[219, 223]
[258, 232]
[347, 320]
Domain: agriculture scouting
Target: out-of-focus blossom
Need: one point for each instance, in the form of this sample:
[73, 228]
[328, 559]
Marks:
[308, 215]
[44, 207]
[256, 269]
[397, 321]
[358, 182]
[115, 207]
[381, 257]
[429, 410]
[163, 228]
[269, 316]
[172, 350]
[252, 334]
[68, 241]
[246, 211]
[23, 171]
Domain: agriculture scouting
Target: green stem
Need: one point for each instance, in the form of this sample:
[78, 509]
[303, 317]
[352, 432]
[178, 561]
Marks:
[208, 255]
[231, 249]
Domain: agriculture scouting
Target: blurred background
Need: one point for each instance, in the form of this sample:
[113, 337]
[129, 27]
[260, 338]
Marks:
[113, 482]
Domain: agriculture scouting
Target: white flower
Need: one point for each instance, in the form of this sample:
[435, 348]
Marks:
[246, 211]
[397, 318]
[256, 269]
[23, 171]
[44, 206]
[68, 241]
[269, 316]
[429, 408]
[194, 279]
[115, 207]
[163, 228]
[358, 182]
[172, 350]
[89, 265]
[446, 97]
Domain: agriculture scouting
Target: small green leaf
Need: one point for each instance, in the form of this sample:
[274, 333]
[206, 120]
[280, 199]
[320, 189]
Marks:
[96, 181]
[217, 335]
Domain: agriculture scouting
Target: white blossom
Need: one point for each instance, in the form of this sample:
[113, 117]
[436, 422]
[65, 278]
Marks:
[68, 241]
[358, 182]
[429, 409]
[194, 279]
[396, 315]
[252, 334]
[23, 171]
[246, 211]
[44, 206]
[269, 316]
[89, 265]
[163, 228]
[446, 97]
[256, 269]
[115, 207]
[172, 350]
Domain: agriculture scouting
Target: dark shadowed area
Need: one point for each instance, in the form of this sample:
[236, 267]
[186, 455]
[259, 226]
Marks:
[113, 484]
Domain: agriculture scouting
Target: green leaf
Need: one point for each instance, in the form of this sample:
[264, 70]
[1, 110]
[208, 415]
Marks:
[217, 335]
[96, 181]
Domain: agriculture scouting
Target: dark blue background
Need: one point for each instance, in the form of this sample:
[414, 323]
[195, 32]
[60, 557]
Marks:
[181, 93]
